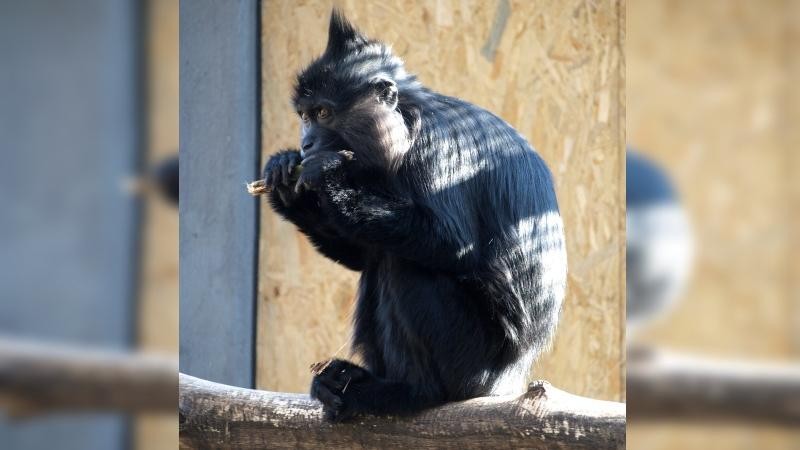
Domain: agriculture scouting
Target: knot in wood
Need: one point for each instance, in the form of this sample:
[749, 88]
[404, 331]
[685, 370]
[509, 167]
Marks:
[537, 389]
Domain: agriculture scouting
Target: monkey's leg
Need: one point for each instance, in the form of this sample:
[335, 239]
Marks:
[346, 389]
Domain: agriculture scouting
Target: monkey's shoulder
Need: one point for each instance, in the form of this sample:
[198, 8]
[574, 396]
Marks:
[464, 124]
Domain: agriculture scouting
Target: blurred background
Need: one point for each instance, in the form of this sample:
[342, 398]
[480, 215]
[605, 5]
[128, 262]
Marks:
[712, 105]
[89, 120]
[88, 114]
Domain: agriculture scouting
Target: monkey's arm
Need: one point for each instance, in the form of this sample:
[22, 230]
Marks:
[387, 220]
[304, 212]
[302, 209]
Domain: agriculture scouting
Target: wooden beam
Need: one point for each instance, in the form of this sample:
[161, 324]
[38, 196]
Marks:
[217, 415]
[663, 385]
[38, 378]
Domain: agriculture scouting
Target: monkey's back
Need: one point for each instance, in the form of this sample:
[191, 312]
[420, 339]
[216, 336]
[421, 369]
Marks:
[494, 196]
[499, 195]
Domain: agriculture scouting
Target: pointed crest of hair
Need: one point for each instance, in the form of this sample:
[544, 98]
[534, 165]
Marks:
[342, 34]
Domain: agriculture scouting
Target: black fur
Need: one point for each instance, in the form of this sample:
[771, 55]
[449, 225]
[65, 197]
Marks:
[448, 213]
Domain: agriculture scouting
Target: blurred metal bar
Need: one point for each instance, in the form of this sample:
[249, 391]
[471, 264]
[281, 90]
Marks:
[70, 131]
[219, 134]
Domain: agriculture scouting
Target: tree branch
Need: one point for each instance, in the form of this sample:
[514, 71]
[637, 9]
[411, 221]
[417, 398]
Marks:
[36, 378]
[661, 385]
[217, 415]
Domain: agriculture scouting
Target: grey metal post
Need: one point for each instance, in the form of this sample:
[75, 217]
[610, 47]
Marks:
[219, 152]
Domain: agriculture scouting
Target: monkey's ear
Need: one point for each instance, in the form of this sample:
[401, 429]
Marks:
[342, 34]
[387, 91]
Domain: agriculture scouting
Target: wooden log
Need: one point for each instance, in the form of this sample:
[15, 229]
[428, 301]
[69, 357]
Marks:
[663, 385]
[36, 378]
[216, 415]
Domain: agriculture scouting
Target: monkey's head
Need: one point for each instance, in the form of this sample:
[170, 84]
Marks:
[351, 98]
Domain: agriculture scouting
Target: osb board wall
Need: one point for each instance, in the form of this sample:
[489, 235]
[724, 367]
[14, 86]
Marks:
[708, 97]
[556, 76]
[158, 306]
[717, 122]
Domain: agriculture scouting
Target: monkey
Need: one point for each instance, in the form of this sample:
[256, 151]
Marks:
[165, 177]
[447, 212]
[659, 249]
[161, 178]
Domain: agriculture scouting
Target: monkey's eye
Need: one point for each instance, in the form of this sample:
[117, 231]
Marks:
[304, 116]
[323, 113]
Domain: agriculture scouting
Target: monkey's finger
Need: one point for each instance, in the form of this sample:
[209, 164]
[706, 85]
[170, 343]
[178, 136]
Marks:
[265, 175]
[335, 382]
[276, 175]
[300, 185]
[311, 159]
[287, 171]
[325, 395]
[268, 174]
[294, 159]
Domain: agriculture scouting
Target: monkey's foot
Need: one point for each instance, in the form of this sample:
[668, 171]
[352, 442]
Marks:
[337, 387]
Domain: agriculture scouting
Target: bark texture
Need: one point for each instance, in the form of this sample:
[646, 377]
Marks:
[217, 415]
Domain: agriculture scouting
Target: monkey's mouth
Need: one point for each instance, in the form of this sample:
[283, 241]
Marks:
[310, 152]
[305, 154]
[335, 145]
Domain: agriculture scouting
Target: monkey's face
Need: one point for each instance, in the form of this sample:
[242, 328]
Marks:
[348, 99]
[368, 123]
[316, 129]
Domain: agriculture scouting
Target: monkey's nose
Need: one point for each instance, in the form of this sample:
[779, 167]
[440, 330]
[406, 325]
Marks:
[306, 146]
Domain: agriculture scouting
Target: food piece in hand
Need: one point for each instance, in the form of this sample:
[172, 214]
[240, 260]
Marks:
[259, 187]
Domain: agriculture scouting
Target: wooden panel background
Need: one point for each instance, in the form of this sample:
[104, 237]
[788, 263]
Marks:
[557, 75]
[709, 97]
[158, 303]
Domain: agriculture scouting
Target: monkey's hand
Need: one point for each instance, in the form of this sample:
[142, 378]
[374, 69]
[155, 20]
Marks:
[280, 173]
[319, 165]
[337, 386]
[278, 170]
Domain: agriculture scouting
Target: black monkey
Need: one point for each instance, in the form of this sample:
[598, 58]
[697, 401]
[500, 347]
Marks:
[448, 213]
[161, 178]
[659, 248]
[165, 177]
